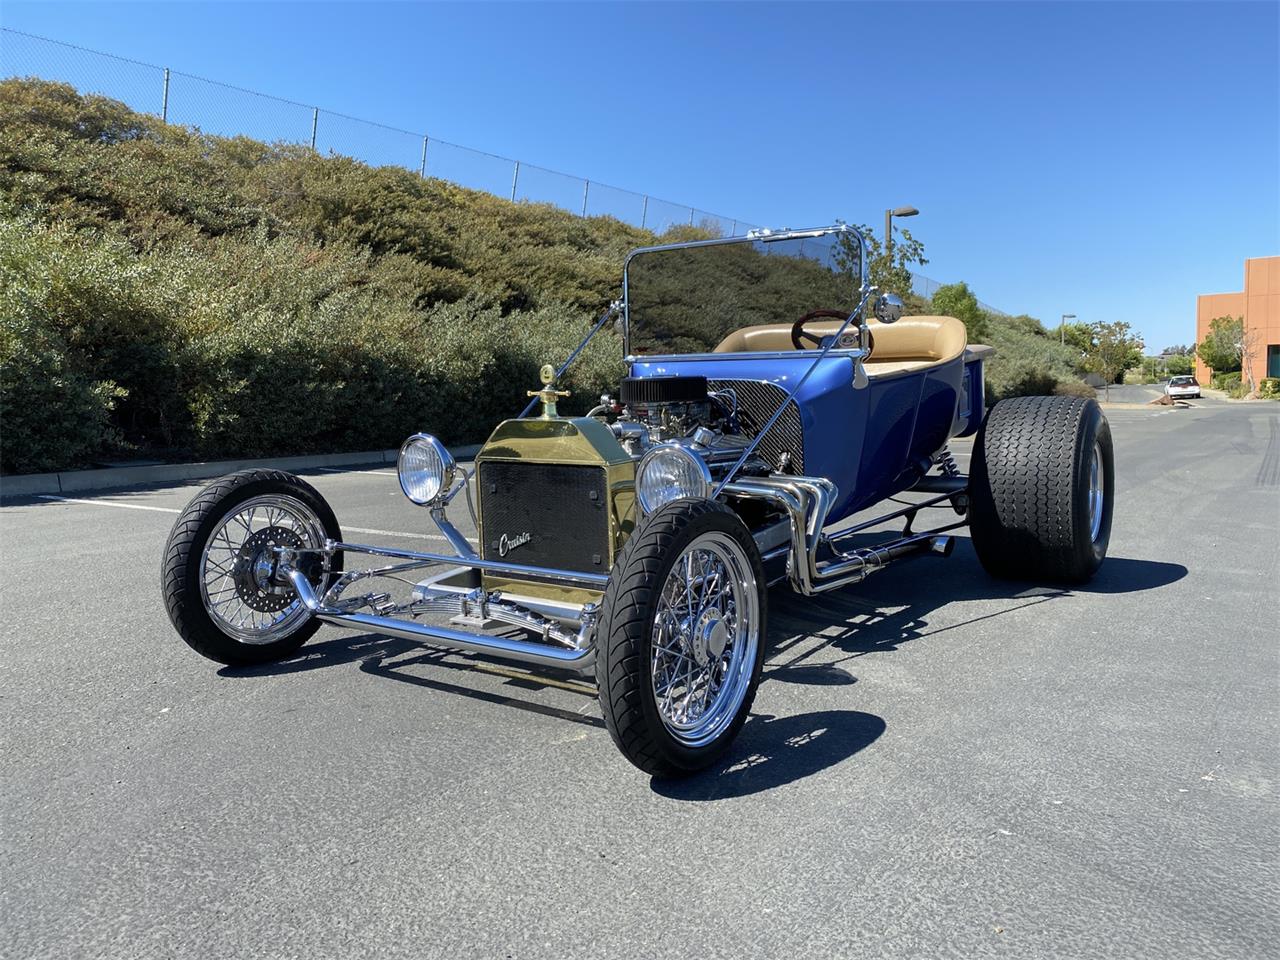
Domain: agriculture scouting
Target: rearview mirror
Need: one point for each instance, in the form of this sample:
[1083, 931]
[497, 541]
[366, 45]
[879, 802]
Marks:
[888, 307]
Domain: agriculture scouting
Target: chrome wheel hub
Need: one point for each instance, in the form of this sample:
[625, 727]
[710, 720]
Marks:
[1097, 493]
[705, 639]
[255, 568]
[710, 637]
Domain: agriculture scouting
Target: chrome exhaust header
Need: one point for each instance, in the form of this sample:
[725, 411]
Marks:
[807, 501]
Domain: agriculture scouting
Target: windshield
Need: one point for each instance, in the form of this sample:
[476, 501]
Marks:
[687, 298]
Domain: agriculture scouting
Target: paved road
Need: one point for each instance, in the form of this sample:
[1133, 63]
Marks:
[939, 765]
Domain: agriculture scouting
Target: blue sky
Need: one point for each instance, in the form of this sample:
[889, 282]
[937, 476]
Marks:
[1107, 160]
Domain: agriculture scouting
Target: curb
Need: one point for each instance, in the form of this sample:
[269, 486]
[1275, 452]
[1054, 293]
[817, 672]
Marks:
[79, 481]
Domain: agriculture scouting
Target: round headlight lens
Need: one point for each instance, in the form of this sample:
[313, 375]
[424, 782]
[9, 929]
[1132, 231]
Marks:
[670, 472]
[425, 467]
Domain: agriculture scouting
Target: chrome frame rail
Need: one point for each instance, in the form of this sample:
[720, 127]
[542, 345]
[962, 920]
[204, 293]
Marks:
[804, 501]
[524, 651]
[559, 647]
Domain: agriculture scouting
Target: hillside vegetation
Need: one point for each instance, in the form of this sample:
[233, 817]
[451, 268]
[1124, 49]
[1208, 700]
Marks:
[171, 294]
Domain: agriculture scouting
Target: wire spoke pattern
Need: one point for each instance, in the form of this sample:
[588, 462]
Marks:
[697, 688]
[228, 559]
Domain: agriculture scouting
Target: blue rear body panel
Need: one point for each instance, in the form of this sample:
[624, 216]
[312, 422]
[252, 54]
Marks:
[871, 443]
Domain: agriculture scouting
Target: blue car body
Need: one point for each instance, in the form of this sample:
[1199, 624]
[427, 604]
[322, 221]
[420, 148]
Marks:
[873, 441]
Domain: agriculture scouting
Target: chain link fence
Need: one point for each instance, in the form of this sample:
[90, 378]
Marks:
[222, 109]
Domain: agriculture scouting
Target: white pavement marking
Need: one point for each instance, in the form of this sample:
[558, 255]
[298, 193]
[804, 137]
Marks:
[139, 506]
[108, 503]
[395, 533]
[379, 473]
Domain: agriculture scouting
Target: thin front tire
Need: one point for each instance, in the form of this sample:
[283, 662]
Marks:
[218, 573]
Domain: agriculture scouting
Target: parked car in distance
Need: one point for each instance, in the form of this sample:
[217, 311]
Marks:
[1182, 388]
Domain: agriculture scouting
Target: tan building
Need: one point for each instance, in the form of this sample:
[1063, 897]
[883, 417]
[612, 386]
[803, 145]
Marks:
[1259, 304]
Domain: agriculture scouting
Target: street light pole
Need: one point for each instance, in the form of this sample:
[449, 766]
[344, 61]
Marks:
[1062, 327]
[888, 224]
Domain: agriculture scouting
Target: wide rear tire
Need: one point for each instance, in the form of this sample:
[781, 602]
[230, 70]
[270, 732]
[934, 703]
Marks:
[1042, 488]
[680, 639]
[207, 572]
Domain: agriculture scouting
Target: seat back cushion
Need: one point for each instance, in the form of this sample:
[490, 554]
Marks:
[923, 338]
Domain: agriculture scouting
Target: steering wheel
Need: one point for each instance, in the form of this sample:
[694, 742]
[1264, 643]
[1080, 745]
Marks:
[798, 333]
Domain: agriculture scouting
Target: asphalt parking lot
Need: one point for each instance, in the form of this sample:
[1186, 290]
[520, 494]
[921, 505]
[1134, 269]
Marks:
[938, 764]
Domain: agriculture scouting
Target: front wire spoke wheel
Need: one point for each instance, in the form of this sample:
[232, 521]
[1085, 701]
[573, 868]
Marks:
[680, 637]
[239, 583]
[717, 646]
[220, 575]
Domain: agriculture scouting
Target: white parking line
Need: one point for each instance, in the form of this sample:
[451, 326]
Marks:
[108, 503]
[377, 473]
[394, 533]
[139, 506]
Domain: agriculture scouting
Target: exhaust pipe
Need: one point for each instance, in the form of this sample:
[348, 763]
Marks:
[942, 546]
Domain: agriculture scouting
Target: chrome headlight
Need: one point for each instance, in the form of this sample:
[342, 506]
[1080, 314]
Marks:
[670, 472]
[426, 469]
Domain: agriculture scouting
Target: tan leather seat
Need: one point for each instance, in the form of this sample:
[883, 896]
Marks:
[909, 344]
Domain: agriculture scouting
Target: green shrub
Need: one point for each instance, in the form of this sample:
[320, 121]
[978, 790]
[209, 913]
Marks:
[1269, 388]
[50, 414]
[1074, 388]
[1028, 361]
[181, 294]
[1226, 381]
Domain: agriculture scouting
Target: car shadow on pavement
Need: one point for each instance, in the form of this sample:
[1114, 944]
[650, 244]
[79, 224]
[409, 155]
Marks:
[889, 609]
[772, 751]
[379, 667]
[893, 607]
[349, 648]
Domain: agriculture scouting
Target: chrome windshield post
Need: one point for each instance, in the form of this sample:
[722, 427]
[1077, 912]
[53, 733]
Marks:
[858, 356]
[613, 310]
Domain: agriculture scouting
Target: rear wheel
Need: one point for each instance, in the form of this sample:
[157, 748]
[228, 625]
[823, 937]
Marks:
[218, 574]
[681, 637]
[1041, 489]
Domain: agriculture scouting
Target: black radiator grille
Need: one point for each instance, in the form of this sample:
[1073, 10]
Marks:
[757, 402]
[563, 509]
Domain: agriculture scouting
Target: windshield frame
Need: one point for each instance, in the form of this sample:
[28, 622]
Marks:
[763, 235]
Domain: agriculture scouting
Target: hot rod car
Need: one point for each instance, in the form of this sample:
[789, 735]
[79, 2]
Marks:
[761, 414]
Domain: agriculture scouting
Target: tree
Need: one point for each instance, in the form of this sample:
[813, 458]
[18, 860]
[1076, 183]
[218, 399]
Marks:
[957, 300]
[892, 272]
[1229, 346]
[1179, 364]
[1079, 337]
[1113, 349]
[1220, 349]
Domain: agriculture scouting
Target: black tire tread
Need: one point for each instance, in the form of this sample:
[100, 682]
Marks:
[1023, 487]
